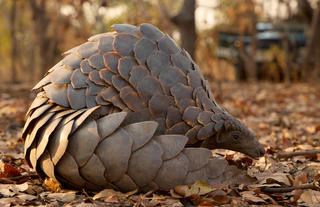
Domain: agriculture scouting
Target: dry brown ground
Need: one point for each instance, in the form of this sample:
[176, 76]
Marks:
[284, 118]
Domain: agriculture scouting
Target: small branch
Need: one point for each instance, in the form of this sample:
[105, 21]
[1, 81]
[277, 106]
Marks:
[18, 179]
[299, 153]
[89, 197]
[289, 189]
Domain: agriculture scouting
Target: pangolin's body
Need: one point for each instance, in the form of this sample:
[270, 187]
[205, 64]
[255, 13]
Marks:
[119, 110]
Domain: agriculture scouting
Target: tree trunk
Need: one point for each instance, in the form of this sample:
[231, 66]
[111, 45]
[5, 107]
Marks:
[306, 10]
[40, 29]
[313, 48]
[248, 57]
[13, 41]
[185, 22]
[287, 67]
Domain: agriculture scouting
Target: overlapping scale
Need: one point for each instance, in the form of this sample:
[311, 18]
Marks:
[168, 45]
[137, 74]
[85, 67]
[158, 62]
[111, 61]
[206, 131]
[37, 102]
[198, 157]
[137, 116]
[171, 77]
[58, 144]
[96, 61]
[172, 172]
[35, 130]
[45, 134]
[118, 82]
[87, 49]
[46, 165]
[148, 157]
[68, 169]
[78, 79]
[105, 44]
[149, 86]
[43, 82]
[88, 133]
[182, 62]
[57, 93]
[151, 32]
[125, 67]
[159, 103]
[143, 49]
[190, 115]
[124, 44]
[204, 117]
[141, 133]
[34, 116]
[72, 61]
[76, 97]
[94, 77]
[94, 171]
[106, 76]
[127, 28]
[61, 76]
[172, 145]
[178, 128]
[173, 116]
[115, 152]
[131, 99]
[192, 134]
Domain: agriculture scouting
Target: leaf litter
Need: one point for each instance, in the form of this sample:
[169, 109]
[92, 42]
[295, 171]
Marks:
[286, 120]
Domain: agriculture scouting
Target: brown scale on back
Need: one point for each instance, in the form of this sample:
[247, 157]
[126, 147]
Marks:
[139, 70]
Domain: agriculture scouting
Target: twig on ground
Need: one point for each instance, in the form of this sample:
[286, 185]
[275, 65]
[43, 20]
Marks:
[18, 179]
[88, 197]
[289, 189]
[298, 153]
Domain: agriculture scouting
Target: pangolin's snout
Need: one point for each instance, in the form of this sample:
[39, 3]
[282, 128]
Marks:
[259, 152]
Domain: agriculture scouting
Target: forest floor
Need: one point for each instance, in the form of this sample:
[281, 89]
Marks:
[285, 118]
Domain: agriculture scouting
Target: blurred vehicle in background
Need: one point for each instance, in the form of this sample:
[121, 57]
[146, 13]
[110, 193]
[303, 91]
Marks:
[270, 55]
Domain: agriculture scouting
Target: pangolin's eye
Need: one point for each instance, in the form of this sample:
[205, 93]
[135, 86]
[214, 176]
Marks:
[235, 137]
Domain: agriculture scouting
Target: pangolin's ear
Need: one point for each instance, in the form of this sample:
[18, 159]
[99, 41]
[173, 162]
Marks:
[227, 126]
[220, 128]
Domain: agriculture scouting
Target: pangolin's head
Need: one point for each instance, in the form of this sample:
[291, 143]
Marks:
[233, 135]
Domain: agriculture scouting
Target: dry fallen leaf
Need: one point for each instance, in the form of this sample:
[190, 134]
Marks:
[205, 204]
[198, 188]
[27, 197]
[9, 190]
[300, 179]
[7, 171]
[310, 197]
[278, 177]
[219, 196]
[6, 192]
[250, 197]
[63, 197]
[51, 184]
[110, 192]
[20, 187]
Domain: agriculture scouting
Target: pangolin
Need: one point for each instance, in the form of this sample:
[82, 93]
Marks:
[129, 109]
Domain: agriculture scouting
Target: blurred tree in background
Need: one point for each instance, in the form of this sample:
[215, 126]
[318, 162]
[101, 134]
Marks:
[34, 34]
